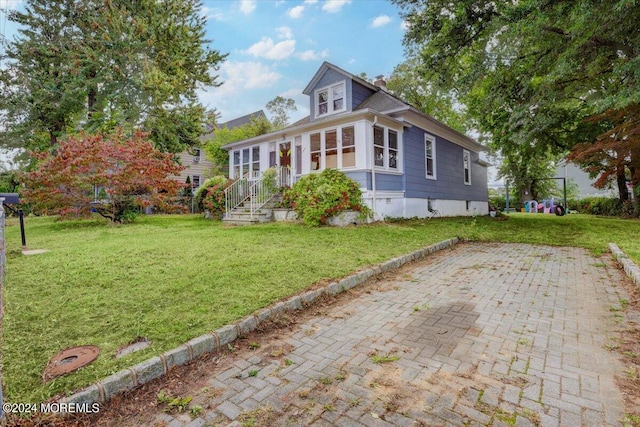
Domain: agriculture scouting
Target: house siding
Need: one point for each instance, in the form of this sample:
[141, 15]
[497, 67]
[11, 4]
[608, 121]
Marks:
[204, 168]
[358, 94]
[384, 182]
[449, 183]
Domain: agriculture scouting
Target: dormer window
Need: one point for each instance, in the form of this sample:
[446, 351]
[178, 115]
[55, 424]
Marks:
[330, 100]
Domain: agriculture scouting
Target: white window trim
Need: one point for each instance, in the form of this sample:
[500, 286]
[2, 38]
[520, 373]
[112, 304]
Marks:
[385, 134]
[249, 161]
[467, 154]
[330, 99]
[323, 147]
[432, 139]
[197, 155]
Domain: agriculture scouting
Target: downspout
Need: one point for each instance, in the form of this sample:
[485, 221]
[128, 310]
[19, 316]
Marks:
[373, 167]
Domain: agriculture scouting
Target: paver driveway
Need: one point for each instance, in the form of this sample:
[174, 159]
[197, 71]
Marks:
[482, 334]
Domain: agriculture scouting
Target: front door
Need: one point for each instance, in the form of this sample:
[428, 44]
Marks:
[284, 154]
[284, 161]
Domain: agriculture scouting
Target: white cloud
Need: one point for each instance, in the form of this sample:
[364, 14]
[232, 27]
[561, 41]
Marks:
[238, 76]
[310, 1]
[241, 80]
[312, 55]
[380, 21]
[247, 6]
[265, 48]
[295, 12]
[291, 93]
[284, 33]
[333, 6]
[213, 14]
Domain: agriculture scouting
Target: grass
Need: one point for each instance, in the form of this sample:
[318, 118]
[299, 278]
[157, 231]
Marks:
[172, 278]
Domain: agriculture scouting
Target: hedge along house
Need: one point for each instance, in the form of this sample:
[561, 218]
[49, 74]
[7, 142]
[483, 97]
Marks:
[407, 163]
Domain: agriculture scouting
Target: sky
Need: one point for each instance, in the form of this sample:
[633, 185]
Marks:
[275, 47]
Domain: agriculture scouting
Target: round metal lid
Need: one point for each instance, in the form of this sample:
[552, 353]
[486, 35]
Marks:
[70, 359]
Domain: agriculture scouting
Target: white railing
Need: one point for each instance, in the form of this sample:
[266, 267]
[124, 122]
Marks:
[256, 193]
[236, 194]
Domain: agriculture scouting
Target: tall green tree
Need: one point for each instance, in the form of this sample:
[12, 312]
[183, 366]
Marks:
[221, 136]
[99, 65]
[529, 71]
[279, 108]
[408, 83]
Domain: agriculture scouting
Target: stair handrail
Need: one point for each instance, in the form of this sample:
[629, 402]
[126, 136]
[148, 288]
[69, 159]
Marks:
[257, 193]
[267, 187]
[236, 193]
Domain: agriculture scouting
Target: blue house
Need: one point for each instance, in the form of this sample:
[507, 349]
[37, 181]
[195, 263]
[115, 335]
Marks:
[405, 161]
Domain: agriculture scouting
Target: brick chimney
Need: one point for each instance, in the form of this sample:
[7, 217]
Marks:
[380, 82]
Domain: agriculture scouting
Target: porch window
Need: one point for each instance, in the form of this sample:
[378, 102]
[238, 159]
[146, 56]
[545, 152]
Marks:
[348, 147]
[385, 147]
[393, 149]
[329, 100]
[246, 163]
[298, 153]
[333, 148]
[255, 162]
[378, 145]
[195, 183]
[430, 156]
[331, 143]
[466, 162]
[272, 154]
[236, 164]
[316, 151]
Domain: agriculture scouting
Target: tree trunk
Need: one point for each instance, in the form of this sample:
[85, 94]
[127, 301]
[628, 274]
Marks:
[623, 193]
[525, 192]
[53, 140]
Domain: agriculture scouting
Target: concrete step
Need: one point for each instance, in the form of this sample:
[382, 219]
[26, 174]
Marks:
[245, 218]
[240, 221]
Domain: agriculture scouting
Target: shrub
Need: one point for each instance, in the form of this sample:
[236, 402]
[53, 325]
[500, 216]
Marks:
[210, 195]
[607, 206]
[317, 197]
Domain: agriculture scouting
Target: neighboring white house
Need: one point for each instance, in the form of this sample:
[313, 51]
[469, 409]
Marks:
[197, 167]
[574, 174]
[405, 161]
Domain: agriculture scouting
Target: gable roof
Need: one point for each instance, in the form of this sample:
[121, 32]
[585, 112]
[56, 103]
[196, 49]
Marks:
[241, 121]
[380, 102]
[327, 66]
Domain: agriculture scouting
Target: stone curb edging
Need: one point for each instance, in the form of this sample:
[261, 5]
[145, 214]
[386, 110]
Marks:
[157, 366]
[632, 270]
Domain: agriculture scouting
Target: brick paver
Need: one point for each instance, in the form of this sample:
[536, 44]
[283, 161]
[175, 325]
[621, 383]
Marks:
[480, 335]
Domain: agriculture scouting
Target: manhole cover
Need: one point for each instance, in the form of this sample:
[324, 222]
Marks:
[70, 359]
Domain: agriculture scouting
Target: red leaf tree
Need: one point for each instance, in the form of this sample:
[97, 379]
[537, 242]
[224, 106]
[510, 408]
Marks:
[615, 153]
[131, 171]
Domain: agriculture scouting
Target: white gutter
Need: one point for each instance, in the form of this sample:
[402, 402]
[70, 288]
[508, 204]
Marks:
[373, 166]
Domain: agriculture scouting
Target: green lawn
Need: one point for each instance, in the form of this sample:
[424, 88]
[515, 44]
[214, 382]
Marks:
[172, 278]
